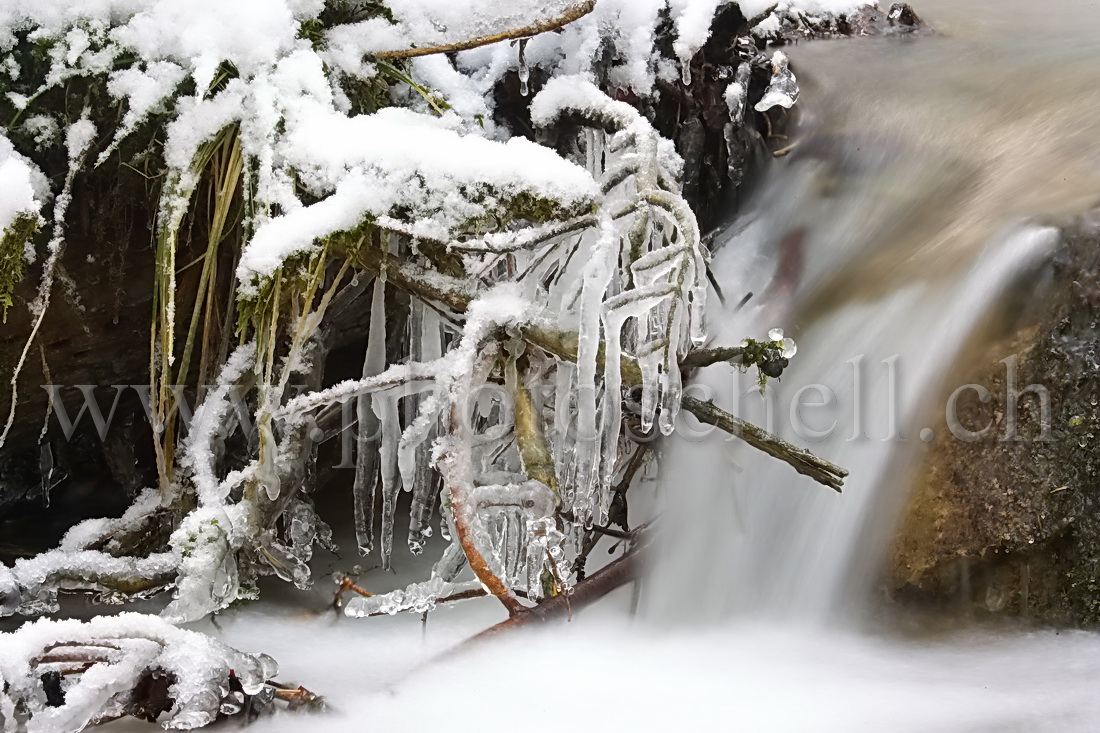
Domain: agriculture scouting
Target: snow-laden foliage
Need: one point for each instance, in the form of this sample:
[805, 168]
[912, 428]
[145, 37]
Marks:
[554, 291]
[25, 190]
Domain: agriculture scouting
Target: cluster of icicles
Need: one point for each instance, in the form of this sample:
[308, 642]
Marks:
[444, 408]
[625, 282]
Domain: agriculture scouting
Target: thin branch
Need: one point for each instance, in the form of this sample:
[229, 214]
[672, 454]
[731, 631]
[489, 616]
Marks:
[706, 357]
[572, 13]
[617, 573]
[799, 459]
[478, 564]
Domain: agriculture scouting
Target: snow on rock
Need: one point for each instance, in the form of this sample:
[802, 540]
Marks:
[292, 115]
[692, 20]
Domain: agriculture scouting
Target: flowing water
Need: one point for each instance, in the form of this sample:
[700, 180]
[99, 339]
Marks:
[915, 196]
[921, 189]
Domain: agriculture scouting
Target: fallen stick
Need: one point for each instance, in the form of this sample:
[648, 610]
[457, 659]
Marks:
[799, 459]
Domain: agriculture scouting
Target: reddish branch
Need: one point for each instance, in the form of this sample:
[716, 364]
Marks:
[618, 573]
[477, 561]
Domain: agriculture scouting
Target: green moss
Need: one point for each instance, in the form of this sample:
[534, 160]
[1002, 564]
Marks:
[766, 356]
[12, 247]
[312, 30]
[502, 211]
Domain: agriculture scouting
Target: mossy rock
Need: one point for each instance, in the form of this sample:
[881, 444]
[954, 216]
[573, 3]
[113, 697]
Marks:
[1012, 527]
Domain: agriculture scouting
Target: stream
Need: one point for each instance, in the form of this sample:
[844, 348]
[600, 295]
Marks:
[920, 190]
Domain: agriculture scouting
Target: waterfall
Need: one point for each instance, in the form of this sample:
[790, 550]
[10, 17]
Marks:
[767, 542]
[912, 202]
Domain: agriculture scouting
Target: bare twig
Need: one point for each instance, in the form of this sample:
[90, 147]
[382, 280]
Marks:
[347, 584]
[799, 459]
[706, 357]
[477, 561]
[572, 13]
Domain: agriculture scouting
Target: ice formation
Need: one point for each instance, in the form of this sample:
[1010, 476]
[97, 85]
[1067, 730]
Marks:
[545, 284]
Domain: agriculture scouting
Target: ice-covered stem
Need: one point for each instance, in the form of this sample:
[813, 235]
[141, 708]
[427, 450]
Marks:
[705, 357]
[615, 574]
[563, 344]
[534, 453]
[465, 535]
[571, 13]
[433, 288]
[799, 459]
[30, 587]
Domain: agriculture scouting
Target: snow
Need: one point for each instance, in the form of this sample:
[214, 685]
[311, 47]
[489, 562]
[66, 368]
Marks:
[426, 23]
[652, 677]
[127, 645]
[692, 21]
[756, 8]
[23, 187]
[363, 167]
[425, 164]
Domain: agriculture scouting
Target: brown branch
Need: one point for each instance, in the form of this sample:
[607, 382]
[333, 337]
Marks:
[347, 584]
[617, 573]
[572, 13]
[706, 357]
[534, 454]
[477, 561]
[800, 459]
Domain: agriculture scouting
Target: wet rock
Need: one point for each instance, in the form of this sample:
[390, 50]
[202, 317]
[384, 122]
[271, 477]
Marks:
[1009, 523]
[904, 18]
[871, 20]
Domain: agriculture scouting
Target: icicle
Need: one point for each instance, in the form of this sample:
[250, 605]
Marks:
[685, 72]
[385, 407]
[416, 473]
[366, 451]
[429, 347]
[783, 89]
[737, 93]
[544, 553]
[45, 470]
[596, 277]
[524, 71]
[451, 563]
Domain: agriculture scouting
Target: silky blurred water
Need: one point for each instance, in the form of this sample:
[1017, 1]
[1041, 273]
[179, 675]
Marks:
[917, 194]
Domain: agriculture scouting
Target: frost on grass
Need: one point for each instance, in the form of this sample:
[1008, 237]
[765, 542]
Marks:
[554, 291]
